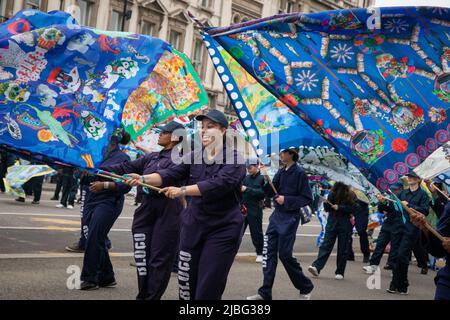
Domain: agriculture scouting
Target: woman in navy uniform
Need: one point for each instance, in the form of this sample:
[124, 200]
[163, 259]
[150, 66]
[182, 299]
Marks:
[341, 204]
[103, 206]
[211, 225]
[294, 193]
[156, 222]
[438, 249]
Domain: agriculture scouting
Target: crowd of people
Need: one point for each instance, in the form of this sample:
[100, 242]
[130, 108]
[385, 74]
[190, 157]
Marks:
[192, 215]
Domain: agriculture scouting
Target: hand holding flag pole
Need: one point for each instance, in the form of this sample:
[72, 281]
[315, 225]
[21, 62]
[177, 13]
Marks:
[115, 177]
[264, 172]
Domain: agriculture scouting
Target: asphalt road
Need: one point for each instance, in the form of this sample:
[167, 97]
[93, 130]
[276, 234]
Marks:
[34, 264]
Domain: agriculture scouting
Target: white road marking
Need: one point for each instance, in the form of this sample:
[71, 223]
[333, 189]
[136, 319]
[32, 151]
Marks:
[49, 215]
[123, 254]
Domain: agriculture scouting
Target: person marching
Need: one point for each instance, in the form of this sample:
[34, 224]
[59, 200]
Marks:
[391, 231]
[417, 199]
[361, 215]
[252, 197]
[156, 222]
[212, 223]
[293, 193]
[340, 205]
[438, 249]
[103, 205]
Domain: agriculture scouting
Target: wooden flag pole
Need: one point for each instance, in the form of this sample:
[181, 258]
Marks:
[427, 225]
[268, 179]
[440, 191]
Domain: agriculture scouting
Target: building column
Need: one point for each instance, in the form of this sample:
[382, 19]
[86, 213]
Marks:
[53, 5]
[133, 22]
[164, 28]
[18, 5]
[72, 8]
[103, 15]
[189, 40]
[225, 19]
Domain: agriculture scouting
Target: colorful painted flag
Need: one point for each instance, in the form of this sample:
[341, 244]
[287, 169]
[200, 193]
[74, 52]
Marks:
[19, 174]
[63, 87]
[375, 83]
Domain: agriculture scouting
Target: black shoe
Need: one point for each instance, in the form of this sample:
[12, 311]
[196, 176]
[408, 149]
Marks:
[366, 259]
[109, 284]
[393, 290]
[20, 199]
[87, 286]
[54, 198]
[34, 202]
[75, 248]
[424, 271]
[388, 267]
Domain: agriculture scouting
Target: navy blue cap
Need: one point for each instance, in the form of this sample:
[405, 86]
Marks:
[397, 186]
[216, 116]
[170, 126]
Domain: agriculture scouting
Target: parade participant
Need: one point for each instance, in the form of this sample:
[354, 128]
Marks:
[103, 206]
[7, 159]
[391, 231]
[293, 193]
[58, 187]
[211, 225]
[415, 198]
[69, 188]
[340, 205]
[252, 197]
[361, 215]
[438, 249]
[156, 222]
[438, 200]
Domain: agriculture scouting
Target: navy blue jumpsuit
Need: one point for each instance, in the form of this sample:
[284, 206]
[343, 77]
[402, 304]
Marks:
[102, 209]
[340, 227]
[281, 232]
[419, 201]
[391, 231]
[156, 227]
[211, 225]
[434, 246]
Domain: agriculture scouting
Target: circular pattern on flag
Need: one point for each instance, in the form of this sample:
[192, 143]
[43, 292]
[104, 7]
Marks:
[225, 78]
[220, 69]
[441, 136]
[251, 133]
[255, 143]
[401, 168]
[412, 160]
[382, 184]
[431, 144]
[215, 60]
[247, 123]
[212, 51]
[243, 114]
[234, 95]
[422, 152]
[239, 105]
[391, 176]
[229, 87]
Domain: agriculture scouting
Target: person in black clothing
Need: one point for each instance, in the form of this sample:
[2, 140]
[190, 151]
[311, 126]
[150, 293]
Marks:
[59, 179]
[69, 189]
[7, 159]
[438, 201]
[391, 231]
[253, 197]
[341, 204]
[438, 249]
[415, 198]
[361, 215]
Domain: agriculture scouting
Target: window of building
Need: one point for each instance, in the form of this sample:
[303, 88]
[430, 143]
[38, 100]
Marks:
[147, 28]
[85, 12]
[175, 39]
[32, 4]
[205, 3]
[197, 59]
[115, 22]
[3, 10]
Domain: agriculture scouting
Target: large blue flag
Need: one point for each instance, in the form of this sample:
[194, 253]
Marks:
[374, 84]
[63, 86]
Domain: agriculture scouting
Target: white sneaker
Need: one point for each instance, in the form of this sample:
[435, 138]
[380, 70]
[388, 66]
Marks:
[339, 277]
[305, 296]
[60, 205]
[255, 297]
[259, 259]
[69, 207]
[313, 271]
[370, 269]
